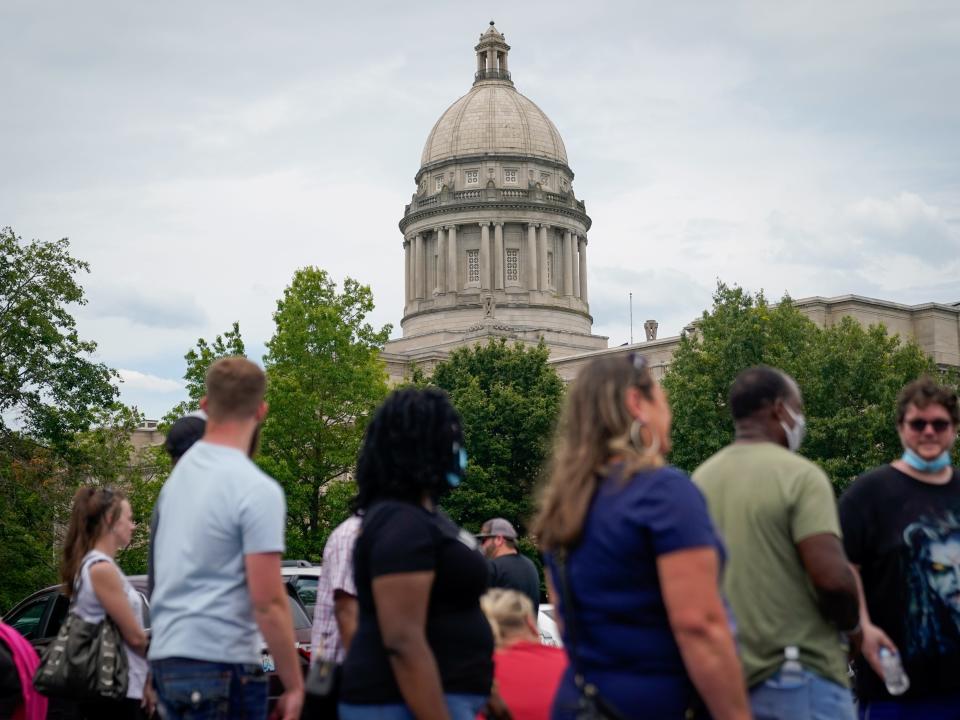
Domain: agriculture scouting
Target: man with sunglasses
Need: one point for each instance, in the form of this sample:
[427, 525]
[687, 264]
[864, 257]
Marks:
[901, 528]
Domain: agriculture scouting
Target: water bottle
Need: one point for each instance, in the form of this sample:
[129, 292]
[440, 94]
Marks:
[791, 672]
[894, 677]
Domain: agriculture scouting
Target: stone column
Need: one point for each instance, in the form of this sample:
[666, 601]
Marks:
[419, 276]
[532, 256]
[441, 260]
[452, 283]
[484, 256]
[576, 266]
[491, 59]
[567, 263]
[407, 282]
[542, 250]
[583, 269]
[498, 256]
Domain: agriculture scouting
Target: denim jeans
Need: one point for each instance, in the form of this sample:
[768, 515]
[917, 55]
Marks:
[461, 707]
[199, 690]
[939, 708]
[809, 698]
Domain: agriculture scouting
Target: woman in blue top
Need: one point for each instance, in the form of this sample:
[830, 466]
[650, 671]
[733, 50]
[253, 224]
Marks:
[640, 556]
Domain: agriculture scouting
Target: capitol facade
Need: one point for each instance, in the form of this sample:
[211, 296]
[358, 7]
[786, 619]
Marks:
[495, 244]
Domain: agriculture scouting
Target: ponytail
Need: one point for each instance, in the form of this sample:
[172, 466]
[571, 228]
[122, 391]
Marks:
[94, 510]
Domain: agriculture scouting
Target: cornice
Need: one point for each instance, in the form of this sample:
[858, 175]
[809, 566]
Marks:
[480, 157]
[451, 209]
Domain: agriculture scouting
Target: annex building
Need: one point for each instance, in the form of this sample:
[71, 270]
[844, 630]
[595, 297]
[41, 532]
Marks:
[495, 243]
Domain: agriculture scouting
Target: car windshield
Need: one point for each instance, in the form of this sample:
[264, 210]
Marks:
[300, 619]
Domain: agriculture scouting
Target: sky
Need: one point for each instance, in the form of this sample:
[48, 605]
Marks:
[198, 154]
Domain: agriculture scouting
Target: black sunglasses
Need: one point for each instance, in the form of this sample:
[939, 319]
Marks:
[919, 424]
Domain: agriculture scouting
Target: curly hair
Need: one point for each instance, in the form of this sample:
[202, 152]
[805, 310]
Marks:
[926, 391]
[931, 625]
[409, 447]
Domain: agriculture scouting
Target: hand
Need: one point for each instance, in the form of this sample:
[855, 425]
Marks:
[289, 706]
[496, 708]
[873, 639]
[149, 702]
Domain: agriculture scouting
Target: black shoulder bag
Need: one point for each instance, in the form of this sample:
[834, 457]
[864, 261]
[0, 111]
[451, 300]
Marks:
[590, 705]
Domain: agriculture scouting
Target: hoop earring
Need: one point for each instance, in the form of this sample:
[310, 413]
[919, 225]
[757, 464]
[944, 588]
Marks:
[637, 441]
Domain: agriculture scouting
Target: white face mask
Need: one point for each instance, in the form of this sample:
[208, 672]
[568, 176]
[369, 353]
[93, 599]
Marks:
[794, 434]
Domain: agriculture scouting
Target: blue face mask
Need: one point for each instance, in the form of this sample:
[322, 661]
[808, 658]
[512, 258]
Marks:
[928, 466]
[455, 478]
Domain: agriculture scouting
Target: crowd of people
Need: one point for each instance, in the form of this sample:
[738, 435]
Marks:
[743, 591]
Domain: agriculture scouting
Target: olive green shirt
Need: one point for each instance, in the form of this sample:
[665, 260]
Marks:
[764, 500]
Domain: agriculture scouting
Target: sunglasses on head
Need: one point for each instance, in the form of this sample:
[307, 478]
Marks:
[638, 361]
[919, 424]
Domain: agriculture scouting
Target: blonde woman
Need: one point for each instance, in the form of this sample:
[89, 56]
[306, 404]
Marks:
[526, 672]
[633, 559]
[101, 523]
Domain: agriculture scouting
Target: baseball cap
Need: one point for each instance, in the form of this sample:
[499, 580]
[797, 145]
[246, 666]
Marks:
[184, 433]
[497, 527]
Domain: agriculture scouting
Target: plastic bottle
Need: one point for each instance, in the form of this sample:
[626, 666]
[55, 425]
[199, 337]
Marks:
[894, 677]
[791, 672]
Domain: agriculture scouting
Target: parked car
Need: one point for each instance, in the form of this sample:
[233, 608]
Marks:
[303, 577]
[39, 616]
[547, 624]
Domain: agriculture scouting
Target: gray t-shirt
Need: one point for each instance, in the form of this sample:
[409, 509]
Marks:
[216, 507]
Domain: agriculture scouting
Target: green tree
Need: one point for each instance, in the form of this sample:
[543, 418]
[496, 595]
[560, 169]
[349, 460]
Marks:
[509, 399]
[47, 380]
[325, 378]
[849, 376]
[199, 359]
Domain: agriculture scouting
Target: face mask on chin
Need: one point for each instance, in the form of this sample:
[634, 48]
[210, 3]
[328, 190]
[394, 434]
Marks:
[796, 433]
[926, 466]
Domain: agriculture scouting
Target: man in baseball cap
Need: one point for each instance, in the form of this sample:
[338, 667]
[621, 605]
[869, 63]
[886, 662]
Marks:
[508, 568]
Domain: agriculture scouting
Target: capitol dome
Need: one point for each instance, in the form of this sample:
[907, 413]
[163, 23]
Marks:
[494, 237]
[493, 119]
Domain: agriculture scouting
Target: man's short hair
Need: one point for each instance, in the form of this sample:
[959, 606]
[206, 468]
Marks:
[925, 391]
[756, 388]
[235, 389]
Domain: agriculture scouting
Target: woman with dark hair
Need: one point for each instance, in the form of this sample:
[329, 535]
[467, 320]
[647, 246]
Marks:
[633, 559]
[422, 648]
[101, 523]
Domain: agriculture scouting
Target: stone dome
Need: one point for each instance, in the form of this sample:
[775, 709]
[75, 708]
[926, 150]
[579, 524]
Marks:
[493, 118]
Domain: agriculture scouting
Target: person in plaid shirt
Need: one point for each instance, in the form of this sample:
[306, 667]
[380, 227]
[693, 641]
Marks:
[335, 615]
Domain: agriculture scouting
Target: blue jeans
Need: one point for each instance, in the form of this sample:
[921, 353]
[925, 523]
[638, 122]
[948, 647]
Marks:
[940, 708]
[810, 698]
[199, 690]
[460, 707]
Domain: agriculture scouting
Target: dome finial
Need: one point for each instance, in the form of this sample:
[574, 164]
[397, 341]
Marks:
[492, 56]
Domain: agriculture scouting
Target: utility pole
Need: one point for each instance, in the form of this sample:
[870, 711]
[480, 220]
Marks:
[631, 318]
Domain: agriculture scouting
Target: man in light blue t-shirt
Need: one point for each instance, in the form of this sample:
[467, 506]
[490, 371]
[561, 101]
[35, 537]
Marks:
[217, 555]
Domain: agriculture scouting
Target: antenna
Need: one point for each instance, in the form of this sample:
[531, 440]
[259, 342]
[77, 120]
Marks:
[631, 318]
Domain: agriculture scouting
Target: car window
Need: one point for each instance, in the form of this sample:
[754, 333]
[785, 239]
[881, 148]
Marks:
[61, 606]
[306, 587]
[300, 619]
[26, 620]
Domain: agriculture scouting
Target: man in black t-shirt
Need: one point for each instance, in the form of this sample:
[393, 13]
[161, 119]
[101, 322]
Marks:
[508, 568]
[901, 528]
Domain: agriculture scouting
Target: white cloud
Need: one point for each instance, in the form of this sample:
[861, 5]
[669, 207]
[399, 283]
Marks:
[136, 380]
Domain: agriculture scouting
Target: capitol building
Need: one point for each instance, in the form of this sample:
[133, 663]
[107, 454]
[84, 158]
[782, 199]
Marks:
[495, 243]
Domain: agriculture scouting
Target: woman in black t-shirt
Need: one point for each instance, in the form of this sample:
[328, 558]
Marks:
[423, 648]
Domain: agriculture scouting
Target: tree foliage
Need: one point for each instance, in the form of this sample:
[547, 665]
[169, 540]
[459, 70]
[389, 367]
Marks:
[509, 399]
[199, 359]
[47, 381]
[849, 376]
[325, 379]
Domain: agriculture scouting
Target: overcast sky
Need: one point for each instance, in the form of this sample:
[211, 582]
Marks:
[197, 154]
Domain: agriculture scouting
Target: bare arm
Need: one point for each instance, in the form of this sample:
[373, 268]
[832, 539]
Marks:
[826, 563]
[345, 613]
[271, 608]
[872, 638]
[689, 583]
[401, 600]
[108, 587]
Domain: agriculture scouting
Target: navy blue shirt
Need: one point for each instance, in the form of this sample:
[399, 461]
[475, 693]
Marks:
[625, 645]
